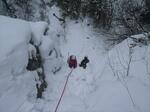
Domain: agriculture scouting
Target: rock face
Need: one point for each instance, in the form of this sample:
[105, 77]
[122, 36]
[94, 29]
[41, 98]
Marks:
[34, 62]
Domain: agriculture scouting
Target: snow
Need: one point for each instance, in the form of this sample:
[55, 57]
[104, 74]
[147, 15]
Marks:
[104, 85]
[32, 51]
[17, 85]
[8, 32]
[13, 45]
[15, 81]
[114, 81]
[50, 54]
[46, 46]
[56, 27]
[16, 92]
[38, 29]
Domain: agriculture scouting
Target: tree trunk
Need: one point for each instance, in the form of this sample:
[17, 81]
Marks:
[6, 4]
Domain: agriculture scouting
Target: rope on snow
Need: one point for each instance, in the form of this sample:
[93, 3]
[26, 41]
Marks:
[63, 91]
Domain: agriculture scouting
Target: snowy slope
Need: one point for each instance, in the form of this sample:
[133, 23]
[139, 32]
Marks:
[13, 43]
[114, 81]
[104, 86]
[15, 81]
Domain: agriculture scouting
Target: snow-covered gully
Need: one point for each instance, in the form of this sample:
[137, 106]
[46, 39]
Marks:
[115, 80]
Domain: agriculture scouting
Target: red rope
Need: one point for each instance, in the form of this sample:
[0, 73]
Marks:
[63, 91]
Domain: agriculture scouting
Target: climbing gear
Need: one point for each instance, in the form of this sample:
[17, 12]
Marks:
[84, 62]
[63, 90]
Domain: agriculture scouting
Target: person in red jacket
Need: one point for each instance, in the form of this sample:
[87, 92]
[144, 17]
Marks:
[72, 61]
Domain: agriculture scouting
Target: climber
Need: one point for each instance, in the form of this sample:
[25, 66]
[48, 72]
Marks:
[84, 62]
[72, 61]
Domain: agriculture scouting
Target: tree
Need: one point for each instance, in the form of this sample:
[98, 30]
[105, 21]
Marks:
[147, 2]
[130, 16]
[70, 8]
[6, 4]
[100, 11]
[7, 9]
[145, 16]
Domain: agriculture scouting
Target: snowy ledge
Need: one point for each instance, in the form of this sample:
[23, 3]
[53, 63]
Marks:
[15, 38]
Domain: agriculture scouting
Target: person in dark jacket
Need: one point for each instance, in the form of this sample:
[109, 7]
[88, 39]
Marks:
[72, 61]
[84, 62]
